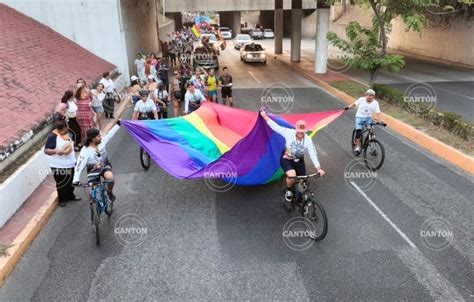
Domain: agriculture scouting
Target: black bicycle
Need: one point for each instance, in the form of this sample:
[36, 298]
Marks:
[308, 206]
[372, 149]
[99, 203]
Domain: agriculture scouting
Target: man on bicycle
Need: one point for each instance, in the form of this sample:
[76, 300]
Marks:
[365, 107]
[145, 108]
[297, 143]
[94, 156]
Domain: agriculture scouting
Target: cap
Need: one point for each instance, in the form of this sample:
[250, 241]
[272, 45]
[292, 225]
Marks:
[150, 77]
[370, 92]
[143, 92]
[134, 78]
[301, 126]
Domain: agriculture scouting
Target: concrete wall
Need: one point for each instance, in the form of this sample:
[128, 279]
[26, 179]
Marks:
[229, 5]
[139, 27]
[452, 44]
[92, 24]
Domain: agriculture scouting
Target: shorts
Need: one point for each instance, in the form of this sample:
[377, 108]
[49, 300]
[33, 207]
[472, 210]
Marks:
[93, 176]
[361, 121]
[226, 93]
[98, 109]
[211, 93]
[288, 164]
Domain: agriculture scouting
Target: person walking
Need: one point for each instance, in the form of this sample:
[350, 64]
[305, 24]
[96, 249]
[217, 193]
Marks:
[67, 111]
[62, 159]
[140, 64]
[98, 98]
[225, 82]
[172, 53]
[110, 95]
[176, 93]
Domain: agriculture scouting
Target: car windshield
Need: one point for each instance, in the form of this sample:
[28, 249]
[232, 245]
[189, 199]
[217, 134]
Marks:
[268, 30]
[224, 29]
[253, 47]
[257, 30]
[244, 37]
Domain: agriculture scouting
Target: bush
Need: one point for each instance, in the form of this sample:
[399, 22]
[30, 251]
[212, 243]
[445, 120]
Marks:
[388, 94]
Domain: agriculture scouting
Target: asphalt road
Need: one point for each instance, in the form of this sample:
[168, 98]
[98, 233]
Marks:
[451, 87]
[196, 244]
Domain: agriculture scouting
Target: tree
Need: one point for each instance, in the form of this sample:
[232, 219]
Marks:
[367, 47]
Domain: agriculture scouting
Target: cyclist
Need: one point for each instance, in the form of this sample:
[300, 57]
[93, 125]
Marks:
[365, 107]
[145, 108]
[94, 156]
[297, 143]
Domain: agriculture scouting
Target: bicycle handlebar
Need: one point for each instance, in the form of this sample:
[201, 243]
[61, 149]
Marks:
[298, 177]
[379, 123]
[90, 184]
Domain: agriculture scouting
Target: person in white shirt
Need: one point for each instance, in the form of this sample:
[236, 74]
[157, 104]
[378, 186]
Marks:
[365, 107]
[145, 108]
[98, 97]
[110, 93]
[297, 143]
[140, 64]
[160, 96]
[93, 156]
[193, 98]
[62, 159]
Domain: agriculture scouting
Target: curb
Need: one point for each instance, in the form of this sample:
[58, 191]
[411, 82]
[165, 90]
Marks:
[29, 233]
[446, 152]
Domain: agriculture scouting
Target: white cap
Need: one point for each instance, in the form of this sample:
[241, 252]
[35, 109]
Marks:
[134, 78]
[370, 91]
[150, 77]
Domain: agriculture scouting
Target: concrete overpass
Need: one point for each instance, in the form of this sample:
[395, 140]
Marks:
[272, 15]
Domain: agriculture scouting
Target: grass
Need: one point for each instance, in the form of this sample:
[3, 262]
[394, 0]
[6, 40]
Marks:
[355, 90]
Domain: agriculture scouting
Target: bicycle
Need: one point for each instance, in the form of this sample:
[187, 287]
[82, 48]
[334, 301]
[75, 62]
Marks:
[309, 208]
[145, 159]
[99, 203]
[371, 147]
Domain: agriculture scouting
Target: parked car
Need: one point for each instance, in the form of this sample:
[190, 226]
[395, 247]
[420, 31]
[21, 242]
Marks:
[241, 39]
[256, 33]
[268, 33]
[211, 40]
[253, 53]
[206, 57]
[226, 33]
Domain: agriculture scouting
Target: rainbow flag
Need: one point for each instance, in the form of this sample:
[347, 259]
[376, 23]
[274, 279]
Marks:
[218, 140]
[196, 32]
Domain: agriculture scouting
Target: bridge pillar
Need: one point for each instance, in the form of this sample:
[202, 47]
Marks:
[296, 16]
[278, 27]
[230, 20]
[178, 20]
[322, 28]
[266, 18]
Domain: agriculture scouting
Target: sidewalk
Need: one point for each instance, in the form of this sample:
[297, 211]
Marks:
[448, 153]
[23, 227]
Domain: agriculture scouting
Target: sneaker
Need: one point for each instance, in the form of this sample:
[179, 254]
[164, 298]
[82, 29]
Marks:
[111, 197]
[357, 150]
[62, 204]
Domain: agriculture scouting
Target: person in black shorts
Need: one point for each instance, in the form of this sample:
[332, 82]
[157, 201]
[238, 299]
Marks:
[225, 82]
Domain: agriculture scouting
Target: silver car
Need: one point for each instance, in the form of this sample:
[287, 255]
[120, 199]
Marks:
[226, 33]
[253, 53]
[256, 33]
[241, 39]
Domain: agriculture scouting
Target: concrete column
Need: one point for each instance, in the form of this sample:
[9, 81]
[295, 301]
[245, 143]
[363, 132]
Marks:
[236, 23]
[278, 27]
[178, 21]
[321, 52]
[230, 20]
[296, 15]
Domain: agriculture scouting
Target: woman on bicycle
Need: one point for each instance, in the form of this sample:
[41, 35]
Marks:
[297, 143]
[365, 107]
[145, 108]
[94, 156]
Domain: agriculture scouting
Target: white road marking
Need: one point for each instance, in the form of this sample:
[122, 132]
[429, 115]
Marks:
[405, 237]
[254, 77]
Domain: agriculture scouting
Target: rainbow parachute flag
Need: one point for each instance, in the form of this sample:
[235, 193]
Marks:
[218, 141]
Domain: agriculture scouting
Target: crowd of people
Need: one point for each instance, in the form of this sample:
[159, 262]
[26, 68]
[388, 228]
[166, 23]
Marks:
[77, 118]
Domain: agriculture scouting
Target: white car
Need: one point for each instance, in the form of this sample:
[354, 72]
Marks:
[226, 33]
[256, 33]
[268, 33]
[241, 39]
[252, 52]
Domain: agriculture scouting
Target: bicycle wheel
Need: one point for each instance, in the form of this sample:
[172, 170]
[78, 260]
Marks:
[374, 155]
[313, 211]
[96, 222]
[109, 206]
[353, 137]
[144, 159]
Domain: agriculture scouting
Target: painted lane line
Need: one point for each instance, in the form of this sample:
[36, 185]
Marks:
[254, 77]
[405, 237]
